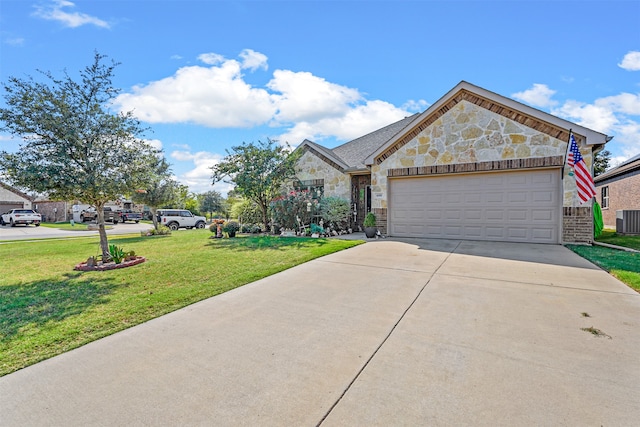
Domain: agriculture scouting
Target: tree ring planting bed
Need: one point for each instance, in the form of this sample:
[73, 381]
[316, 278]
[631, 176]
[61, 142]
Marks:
[109, 265]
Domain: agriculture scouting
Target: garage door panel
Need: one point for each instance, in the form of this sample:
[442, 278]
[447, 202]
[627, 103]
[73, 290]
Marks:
[505, 206]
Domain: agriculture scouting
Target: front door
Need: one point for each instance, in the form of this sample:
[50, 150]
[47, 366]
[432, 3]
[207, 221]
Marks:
[360, 199]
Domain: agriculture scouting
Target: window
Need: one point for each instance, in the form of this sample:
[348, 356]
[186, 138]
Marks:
[604, 193]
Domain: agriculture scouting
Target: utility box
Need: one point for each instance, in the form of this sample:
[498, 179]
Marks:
[628, 222]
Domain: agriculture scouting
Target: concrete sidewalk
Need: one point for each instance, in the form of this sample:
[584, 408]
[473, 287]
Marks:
[422, 332]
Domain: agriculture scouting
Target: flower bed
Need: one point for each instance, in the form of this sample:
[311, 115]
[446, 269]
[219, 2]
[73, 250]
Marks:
[109, 265]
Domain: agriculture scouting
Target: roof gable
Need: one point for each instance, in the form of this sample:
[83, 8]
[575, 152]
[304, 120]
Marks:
[16, 191]
[513, 110]
[630, 166]
[356, 151]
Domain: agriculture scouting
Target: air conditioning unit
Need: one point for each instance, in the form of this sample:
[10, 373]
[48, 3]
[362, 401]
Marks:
[628, 222]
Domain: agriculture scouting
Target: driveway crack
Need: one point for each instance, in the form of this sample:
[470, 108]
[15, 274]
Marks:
[385, 339]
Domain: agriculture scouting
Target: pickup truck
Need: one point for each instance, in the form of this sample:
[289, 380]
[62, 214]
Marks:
[21, 216]
[110, 215]
[129, 215]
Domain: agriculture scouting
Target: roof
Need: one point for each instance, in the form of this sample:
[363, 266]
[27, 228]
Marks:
[628, 166]
[355, 152]
[351, 155]
[528, 116]
[356, 155]
[16, 191]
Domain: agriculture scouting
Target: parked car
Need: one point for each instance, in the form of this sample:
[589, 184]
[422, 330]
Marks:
[21, 216]
[180, 218]
[110, 215]
[129, 215]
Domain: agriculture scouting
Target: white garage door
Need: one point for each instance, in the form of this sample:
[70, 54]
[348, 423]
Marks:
[518, 206]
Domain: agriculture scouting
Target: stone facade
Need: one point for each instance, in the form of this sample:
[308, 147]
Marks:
[336, 183]
[471, 134]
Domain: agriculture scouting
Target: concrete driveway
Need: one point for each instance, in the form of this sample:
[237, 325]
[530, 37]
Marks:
[422, 332]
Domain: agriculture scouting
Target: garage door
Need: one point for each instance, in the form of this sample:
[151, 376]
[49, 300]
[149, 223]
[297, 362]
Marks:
[519, 206]
[7, 206]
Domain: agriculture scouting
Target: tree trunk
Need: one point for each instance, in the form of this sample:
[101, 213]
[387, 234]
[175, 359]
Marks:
[265, 219]
[104, 243]
[154, 218]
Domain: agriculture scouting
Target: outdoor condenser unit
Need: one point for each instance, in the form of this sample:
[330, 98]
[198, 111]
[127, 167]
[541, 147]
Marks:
[628, 222]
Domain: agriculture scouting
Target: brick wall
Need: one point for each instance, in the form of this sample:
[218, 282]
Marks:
[381, 219]
[624, 194]
[577, 225]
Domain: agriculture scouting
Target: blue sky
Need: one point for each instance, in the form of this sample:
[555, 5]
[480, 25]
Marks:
[208, 75]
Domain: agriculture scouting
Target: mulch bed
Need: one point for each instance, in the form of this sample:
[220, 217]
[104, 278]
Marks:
[109, 265]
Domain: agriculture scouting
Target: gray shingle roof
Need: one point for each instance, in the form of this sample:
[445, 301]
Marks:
[355, 152]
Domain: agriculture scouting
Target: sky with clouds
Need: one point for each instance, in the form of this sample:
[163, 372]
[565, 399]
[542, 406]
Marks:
[208, 75]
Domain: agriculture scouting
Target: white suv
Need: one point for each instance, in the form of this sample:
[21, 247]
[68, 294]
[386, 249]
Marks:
[180, 218]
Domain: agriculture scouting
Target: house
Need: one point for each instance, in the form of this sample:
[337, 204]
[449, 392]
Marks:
[11, 198]
[475, 165]
[619, 189]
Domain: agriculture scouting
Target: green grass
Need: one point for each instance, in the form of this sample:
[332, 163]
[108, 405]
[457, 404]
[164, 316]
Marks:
[47, 308]
[611, 237]
[625, 266]
[79, 226]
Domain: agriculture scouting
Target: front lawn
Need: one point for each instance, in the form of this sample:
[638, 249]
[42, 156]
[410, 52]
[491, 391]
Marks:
[625, 266]
[47, 308]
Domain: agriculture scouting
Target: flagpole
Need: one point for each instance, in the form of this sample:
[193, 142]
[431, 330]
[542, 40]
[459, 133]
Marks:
[566, 153]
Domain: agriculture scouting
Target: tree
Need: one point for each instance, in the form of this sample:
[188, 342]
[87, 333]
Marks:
[160, 190]
[601, 162]
[73, 146]
[211, 202]
[259, 172]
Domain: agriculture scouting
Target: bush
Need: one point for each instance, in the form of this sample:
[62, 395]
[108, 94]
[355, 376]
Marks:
[288, 208]
[369, 220]
[335, 212]
[231, 227]
[163, 230]
[315, 228]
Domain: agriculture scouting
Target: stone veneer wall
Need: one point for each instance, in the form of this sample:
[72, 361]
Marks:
[469, 134]
[336, 183]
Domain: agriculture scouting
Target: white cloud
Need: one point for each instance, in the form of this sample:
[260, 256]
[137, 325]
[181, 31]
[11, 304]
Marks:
[214, 96]
[211, 58]
[303, 96]
[612, 115]
[15, 41]
[54, 12]
[253, 60]
[357, 121]
[155, 143]
[198, 176]
[631, 61]
[538, 96]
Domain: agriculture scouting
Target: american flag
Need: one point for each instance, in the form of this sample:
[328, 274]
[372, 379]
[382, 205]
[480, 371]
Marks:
[584, 180]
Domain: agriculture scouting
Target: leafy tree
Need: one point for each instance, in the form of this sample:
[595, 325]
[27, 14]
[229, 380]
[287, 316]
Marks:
[159, 191]
[601, 162]
[246, 211]
[73, 146]
[259, 171]
[211, 202]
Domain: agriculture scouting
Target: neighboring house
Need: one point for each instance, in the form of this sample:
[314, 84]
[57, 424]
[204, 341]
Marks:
[619, 189]
[10, 198]
[474, 166]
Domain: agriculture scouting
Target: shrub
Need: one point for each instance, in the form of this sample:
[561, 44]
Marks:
[286, 209]
[163, 230]
[231, 227]
[335, 212]
[369, 220]
[315, 228]
[117, 254]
